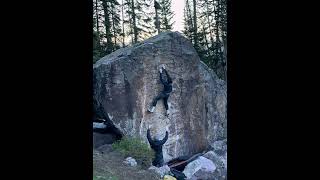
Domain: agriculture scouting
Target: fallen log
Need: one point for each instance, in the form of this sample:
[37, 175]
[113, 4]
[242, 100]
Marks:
[181, 162]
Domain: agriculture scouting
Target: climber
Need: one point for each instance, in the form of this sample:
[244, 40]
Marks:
[156, 145]
[165, 92]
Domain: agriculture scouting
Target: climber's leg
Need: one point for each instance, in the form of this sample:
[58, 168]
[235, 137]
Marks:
[165, 102]
[155, 100]
[158, 160]
[160, 163]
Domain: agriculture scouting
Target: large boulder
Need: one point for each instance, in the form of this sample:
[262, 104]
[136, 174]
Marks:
[201, 168]
[102, 139]
[219, 147]
[161, 171]
[220, 163]
[127, 80]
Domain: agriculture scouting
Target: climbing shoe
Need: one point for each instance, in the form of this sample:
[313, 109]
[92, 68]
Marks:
[152, 109]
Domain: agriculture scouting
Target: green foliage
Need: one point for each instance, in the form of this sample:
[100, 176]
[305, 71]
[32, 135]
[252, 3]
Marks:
[97, 54]
[166, 15]
[135, 148]
[210, 30]
[97, 48]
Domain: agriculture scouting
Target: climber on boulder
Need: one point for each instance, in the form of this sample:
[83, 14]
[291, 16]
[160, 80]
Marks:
[165, 92]
[156, 145]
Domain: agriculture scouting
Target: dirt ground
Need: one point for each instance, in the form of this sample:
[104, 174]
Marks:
[108, 165]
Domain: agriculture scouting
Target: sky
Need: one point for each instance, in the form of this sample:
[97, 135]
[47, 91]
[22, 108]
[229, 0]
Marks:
[177, 8]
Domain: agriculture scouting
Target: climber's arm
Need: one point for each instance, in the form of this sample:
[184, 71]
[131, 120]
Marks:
[149, 137]
[165, 71]
[165, 138]
[161, 79]
[168, 77]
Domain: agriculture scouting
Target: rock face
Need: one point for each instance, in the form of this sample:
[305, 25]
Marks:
[104, 148]
[126, 81]
[161, 171]
[220, 163]
[102, 139]
[201, 168]
[219, 147]
[130, 161]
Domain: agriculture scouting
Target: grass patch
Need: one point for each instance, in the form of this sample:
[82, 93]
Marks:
[135, 148]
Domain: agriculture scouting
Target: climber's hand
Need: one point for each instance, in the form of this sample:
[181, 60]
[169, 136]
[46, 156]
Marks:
[163, 66]
[160, 70]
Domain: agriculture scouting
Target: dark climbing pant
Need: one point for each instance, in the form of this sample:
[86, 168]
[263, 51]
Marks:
[163, 96]
[158, 160]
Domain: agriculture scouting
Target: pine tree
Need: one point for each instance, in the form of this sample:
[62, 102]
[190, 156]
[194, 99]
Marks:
[145, 21]
[223, 26]
[139, 21]
[206, 27]
[127, 20]
[218, 54]
[204, 44]
[207, 13]
[98, 49]
[195, 26]
[166, 15]
[96, 25]
[107, 24]
[157, 7]
[122, 23]
[106, 27]
[134, 18]
[188, 22]
[116, 29]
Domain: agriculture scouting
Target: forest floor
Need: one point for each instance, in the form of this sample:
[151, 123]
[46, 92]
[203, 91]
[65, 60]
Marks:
[108, 165]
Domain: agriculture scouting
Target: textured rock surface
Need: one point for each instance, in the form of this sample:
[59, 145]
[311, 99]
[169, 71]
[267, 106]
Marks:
[220, 162]
[219, 147]
[201, 168]
[102, 139]
[126, 81]
[104, 148]
[130, 161]
[161, 171]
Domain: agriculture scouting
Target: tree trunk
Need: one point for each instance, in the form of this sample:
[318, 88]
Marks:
[98, 33]
[205, 38]
[123, 35]
[107, 25]
[135, 29]
[189, 21]
[209, 23]
[195, 23]
[225, 58]
[114, 29]
[157, 21]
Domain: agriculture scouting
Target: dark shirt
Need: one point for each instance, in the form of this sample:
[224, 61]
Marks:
[167, 85]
